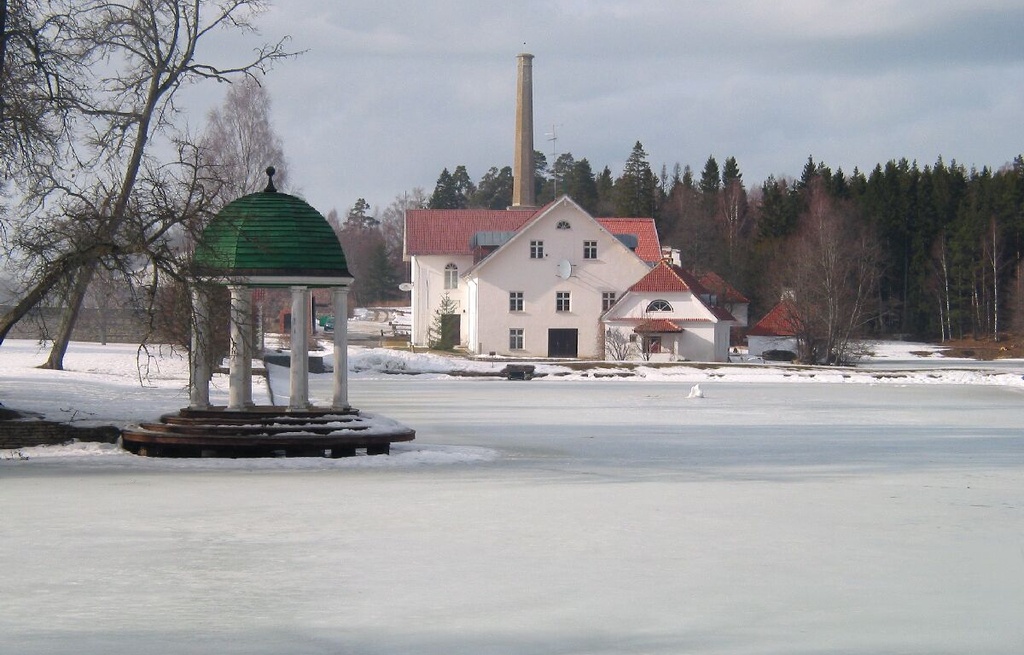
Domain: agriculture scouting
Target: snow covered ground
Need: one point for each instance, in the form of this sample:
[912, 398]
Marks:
[780, 510]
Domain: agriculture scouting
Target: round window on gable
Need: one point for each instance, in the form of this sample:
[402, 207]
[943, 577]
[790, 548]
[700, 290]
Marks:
[563, 225]
[659, 305]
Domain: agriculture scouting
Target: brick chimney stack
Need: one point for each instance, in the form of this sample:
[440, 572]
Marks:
[523, 193]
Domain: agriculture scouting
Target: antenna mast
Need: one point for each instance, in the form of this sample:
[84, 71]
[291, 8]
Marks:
[553, 138]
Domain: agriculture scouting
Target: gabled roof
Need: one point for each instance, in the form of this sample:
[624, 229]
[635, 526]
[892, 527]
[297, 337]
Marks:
[781, 321]
[714, 283]
[450, 231]
[668, 278]
[648, 245]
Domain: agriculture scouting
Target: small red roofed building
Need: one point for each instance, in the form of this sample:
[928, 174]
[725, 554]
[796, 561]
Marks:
[671, 316]
[778, 330]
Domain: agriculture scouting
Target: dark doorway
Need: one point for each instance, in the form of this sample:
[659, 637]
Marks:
[563, 342]
[451, 329]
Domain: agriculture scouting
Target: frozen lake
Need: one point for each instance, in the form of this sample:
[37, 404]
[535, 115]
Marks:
[613, 516]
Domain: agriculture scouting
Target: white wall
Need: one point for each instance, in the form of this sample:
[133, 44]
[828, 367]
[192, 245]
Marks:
[703, 338]
[740, 312]
[756, 346]
[511, 269]
[428, 289]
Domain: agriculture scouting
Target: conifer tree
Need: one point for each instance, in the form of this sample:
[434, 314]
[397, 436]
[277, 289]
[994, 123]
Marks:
[446, 193]
[636, 190]
[494, 190]
[442, 332]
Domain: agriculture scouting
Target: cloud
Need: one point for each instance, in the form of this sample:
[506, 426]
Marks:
[389, 93]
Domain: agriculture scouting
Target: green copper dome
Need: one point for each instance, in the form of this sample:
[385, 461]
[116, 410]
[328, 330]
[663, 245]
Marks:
[272, 238]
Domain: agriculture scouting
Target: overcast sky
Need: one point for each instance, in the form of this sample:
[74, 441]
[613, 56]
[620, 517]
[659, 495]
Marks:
[390, 92]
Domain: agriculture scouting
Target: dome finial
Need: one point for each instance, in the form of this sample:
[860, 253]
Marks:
[270, 180]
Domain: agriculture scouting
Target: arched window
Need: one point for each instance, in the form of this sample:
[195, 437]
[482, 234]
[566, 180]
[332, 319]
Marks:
[562, 225]
[659, 305]
[451, 276]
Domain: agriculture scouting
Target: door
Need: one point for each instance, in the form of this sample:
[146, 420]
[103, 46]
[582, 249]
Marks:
[451, 329]
[563, 342]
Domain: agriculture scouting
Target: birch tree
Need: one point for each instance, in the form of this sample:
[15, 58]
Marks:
[240, 141]
[831, 270]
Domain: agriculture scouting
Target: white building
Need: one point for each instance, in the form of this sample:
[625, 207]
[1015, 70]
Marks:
[524, 282]
[778, 330]
[668, 315]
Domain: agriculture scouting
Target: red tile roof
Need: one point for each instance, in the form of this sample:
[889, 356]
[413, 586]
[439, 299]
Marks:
[714, 283]
[657, 325]
[666, 278]
[449, 231]
[649, 246]
[721, 313]
[781, 321]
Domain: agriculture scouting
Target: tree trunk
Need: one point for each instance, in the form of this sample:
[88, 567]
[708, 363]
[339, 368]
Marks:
[995, 282]
[31, 299]
[70, 318]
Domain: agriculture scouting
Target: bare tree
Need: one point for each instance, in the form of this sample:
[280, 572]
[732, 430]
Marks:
[360, 237]
[240, 141]
[392, 227]
[617, 345]
[735, 218]
[940, 285]
[109, 193]
[39, 79]
[831, 269]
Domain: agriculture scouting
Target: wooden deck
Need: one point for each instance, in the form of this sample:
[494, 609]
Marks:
[262, 432]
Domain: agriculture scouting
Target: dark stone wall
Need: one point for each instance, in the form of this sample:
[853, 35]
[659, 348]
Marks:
[111, 325]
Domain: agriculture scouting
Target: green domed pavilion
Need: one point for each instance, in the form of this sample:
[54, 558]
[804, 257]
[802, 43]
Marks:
[267, 239]
[272, 239]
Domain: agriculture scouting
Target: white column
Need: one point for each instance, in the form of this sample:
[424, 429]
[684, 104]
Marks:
[240, 376]
[340, 348]
[199, 375]
[299, 372]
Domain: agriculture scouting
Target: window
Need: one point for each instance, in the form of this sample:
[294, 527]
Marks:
[562, 225]
[607, 300]
[590, 250]
[515, 301]
[451, 276]
[515, 339]
[562, 301]
[652, 344]
[659, 306]
[536, 250]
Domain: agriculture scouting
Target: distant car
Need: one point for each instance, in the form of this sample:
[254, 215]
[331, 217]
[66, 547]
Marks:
[326, 322]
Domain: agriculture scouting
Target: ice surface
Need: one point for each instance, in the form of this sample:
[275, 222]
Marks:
[555, 516]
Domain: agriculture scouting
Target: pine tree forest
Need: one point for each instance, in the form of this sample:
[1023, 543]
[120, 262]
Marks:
[945, 243]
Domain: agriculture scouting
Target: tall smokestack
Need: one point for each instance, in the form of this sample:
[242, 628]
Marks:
[522, 163]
